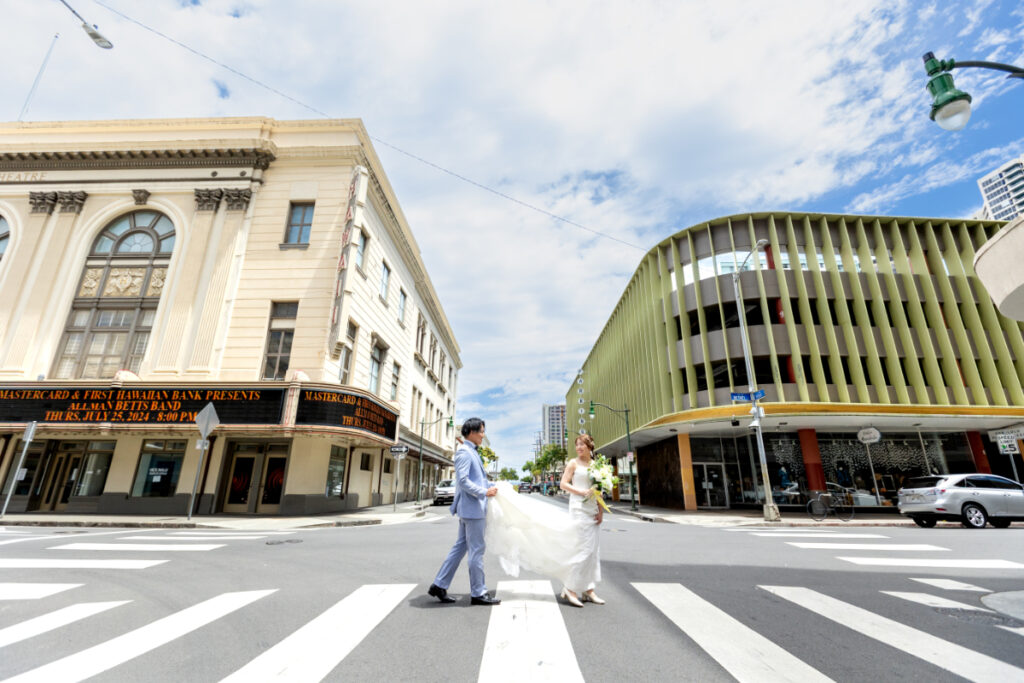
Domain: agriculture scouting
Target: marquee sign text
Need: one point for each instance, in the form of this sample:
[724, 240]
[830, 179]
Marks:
[342, 409]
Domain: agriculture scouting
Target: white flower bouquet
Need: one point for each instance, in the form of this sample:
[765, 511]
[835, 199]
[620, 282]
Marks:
[602, 476]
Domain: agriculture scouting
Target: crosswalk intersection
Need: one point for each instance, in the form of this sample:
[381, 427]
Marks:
[528, 636]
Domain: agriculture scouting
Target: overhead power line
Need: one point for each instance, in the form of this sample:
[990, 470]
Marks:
[470, 181]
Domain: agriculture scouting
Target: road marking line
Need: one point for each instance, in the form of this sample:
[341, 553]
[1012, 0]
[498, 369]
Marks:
[866, 546]
[107, 655]
[20, 540]
[195, 538]
[48, 622]
[740, 650]
[951, 585]
[804, 534]
[947, 564]
[929, 600]
[137, 547]
[1019, 630]
[230, 532]
[526, 637]
[971, 665]
[755, 529]
[310, 653]
[32, 563]
[32, 591]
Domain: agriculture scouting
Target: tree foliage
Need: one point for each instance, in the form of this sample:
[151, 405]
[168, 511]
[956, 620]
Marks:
[508, 474]
[487, 454]
[551, 459]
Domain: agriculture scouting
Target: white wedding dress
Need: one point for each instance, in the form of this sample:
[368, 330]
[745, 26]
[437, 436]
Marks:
[527, 533]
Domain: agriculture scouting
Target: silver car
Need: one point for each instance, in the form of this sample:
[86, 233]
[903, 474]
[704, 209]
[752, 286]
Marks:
[971, 499]
[444, 492]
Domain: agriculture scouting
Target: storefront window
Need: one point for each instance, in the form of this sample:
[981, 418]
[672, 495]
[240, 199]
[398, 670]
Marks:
[94, 472]
[336, 472]
[29, 466]
[159, 467]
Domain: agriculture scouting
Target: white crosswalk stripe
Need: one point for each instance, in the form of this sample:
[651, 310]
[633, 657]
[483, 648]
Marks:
[951, 585]
[924, 547]
[37, 563]
[138, 547]
[930, 600]
[946, 564]
[310, 653]
[107, 655]
[20, 539]
[526, 637]
[32, 591]
[740, 650]
[805, 534]
[54, 620]
[230, 532]
[961, 661]
[193, 538]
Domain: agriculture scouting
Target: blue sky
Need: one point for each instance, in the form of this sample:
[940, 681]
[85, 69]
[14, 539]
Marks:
[635, 119]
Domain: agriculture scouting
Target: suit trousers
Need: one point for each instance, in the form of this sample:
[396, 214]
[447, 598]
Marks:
[471, 538]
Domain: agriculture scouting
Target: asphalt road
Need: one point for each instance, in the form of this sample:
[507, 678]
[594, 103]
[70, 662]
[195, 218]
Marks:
[683, 603]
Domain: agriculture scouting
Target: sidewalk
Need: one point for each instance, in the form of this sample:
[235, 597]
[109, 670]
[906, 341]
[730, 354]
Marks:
[724, 518]
[381, 514]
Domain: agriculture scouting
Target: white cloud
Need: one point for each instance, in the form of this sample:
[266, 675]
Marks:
[635, 119]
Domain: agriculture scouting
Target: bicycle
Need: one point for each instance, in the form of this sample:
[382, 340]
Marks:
[819, 507]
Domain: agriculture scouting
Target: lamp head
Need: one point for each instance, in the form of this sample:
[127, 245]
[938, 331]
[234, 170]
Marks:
[951, 108]
[591, 410]
[97, 37]
[761, 244]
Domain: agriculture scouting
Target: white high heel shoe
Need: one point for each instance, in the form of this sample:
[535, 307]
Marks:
[572, 599]
[590, 596]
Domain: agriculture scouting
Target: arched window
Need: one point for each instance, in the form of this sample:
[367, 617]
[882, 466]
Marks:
[5, 236]
[115, 305]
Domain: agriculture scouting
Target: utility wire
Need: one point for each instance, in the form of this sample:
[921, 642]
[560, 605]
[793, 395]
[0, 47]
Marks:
[398, 149]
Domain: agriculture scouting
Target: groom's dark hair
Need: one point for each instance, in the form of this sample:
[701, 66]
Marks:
[473, 424]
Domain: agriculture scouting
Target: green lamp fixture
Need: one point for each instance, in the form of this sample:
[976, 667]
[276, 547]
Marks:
[951, 107]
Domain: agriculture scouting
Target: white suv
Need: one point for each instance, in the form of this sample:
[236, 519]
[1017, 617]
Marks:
[444, 492]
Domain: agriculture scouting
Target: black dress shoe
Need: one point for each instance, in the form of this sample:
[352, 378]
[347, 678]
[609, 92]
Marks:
[485, 599]
[439, 593]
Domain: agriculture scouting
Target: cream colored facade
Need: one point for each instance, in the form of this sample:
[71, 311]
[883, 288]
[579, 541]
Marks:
[208, 301]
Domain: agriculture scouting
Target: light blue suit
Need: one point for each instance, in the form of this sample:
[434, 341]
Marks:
[470, 504]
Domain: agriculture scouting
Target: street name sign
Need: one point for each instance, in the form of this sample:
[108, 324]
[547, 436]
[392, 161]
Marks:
[759, 394]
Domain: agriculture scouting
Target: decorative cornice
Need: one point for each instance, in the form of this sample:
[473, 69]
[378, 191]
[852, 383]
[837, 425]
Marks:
[71, 202]
[42, 202]
[237, 199]
[117, 159]
[140, 196]
[208, 200]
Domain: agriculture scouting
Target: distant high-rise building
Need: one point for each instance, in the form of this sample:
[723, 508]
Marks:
[1003, 191]
[553, 430]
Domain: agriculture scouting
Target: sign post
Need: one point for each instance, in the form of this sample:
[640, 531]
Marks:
[207, 421]
[868, 436]
[398, 452]
[30, 431]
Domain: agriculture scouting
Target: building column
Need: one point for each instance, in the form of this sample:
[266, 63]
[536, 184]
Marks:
[813, 469]
[978, 451]
[686, 472]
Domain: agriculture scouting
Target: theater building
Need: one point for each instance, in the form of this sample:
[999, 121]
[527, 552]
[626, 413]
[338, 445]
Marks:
[150, 268]
[853, 322]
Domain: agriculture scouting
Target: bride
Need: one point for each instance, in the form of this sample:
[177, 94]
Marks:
[534, 535]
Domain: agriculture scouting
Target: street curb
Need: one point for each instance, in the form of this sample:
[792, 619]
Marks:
[104, 523]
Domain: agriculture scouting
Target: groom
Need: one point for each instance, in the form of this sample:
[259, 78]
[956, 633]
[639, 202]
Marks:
[470, 504]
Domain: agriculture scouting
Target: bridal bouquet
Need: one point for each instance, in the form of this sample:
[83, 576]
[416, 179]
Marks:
[602, 478]
[601, 474]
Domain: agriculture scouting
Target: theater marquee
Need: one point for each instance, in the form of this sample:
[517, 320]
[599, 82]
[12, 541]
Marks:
[149, 406]
[344, 409]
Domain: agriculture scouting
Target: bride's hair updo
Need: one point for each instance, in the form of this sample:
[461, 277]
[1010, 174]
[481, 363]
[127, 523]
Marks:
[587, 440]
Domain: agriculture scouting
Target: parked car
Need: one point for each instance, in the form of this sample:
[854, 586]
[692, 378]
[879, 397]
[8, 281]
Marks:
[444, 492]
[525, 487]
[971, 499]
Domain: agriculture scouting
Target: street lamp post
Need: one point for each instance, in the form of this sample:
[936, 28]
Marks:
[95, 35]
[629, 448]
[951, 108]
[423, 424]
[771, 511]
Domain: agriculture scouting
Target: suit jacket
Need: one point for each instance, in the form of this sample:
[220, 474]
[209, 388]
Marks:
[471, 484]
